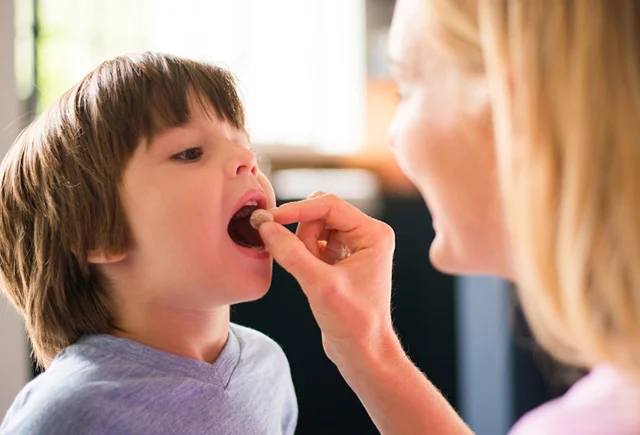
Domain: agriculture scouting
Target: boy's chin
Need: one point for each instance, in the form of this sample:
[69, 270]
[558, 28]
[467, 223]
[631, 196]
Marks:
[256, 294]
[252, 291]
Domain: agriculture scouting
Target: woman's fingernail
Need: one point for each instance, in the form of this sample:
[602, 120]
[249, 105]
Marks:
[316, 194]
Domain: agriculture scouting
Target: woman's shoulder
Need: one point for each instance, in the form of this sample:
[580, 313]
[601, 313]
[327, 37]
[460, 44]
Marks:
[603, 402]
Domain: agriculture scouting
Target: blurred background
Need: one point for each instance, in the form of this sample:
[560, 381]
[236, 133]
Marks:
[319, 99]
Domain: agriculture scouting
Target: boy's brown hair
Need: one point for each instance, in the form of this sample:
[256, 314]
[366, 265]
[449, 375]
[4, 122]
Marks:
[59, 187]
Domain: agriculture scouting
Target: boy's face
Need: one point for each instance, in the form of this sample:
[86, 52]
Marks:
[180, 193]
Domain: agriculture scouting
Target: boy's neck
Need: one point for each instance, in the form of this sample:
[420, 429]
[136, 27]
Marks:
[196, 334]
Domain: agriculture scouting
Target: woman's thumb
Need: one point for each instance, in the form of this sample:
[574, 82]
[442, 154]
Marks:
[291, 254]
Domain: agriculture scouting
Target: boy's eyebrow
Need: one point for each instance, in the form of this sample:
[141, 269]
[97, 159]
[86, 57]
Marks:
[159, 136]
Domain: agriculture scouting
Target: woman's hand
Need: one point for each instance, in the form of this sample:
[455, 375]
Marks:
[350, 296]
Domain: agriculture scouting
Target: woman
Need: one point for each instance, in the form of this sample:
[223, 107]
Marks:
[519, 123]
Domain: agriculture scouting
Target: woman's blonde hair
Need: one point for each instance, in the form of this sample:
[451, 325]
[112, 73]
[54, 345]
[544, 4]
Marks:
[59, 187]
[564, 81]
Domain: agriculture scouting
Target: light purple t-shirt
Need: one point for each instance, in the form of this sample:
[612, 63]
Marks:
[602, 403]
[109, 385]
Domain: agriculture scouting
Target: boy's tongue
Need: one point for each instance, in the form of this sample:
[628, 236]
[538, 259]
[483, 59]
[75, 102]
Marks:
[241, 231]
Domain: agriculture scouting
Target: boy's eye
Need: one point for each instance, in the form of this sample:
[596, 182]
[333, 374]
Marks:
[189, 155]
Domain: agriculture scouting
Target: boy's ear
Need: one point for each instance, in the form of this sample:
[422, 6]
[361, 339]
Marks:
[97, 256]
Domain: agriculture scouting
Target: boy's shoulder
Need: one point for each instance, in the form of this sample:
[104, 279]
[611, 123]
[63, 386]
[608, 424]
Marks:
[85, 390]
[62, 405]
[107, 385]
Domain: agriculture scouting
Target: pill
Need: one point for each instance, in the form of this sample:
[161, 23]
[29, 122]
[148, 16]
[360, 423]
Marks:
[258, 217]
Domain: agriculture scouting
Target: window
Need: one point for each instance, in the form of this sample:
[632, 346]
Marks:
[301, 64]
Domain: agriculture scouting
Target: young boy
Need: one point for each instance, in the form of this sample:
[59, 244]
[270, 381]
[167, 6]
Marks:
[124, 239]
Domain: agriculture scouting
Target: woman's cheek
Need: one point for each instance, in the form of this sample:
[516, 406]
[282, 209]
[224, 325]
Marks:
[408, 141]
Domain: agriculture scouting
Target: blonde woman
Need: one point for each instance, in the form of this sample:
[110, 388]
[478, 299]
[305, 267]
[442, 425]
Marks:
[519, 122]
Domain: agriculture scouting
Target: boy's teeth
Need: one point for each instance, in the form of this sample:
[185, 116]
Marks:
[251, 203]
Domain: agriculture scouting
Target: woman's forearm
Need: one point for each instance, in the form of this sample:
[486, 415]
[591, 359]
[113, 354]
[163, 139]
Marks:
[398, 397]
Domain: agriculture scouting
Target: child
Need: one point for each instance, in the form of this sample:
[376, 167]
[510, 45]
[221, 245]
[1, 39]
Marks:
[124, 239]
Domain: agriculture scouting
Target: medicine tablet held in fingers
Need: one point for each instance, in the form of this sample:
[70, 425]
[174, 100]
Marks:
[259, 217]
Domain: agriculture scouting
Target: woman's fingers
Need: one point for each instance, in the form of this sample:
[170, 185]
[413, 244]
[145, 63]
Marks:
[342, 259]
[292, 254]
[334, 212]
[310, 233]
[333, 249]
[355, 230]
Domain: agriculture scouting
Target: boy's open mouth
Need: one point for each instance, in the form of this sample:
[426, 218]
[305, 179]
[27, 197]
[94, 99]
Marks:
[241, 231]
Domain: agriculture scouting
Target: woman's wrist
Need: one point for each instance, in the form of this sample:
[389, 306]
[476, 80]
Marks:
[396, 394]
[375, 359]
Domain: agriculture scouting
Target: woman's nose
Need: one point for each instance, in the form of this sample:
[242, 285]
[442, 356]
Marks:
[242, 161]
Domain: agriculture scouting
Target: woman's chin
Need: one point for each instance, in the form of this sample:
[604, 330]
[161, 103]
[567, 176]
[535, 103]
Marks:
[448, 260]
[439, 262]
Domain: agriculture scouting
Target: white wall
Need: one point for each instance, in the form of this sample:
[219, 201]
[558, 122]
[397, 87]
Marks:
[14, 365]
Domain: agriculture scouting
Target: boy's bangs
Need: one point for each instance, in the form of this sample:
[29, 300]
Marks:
[212, 88]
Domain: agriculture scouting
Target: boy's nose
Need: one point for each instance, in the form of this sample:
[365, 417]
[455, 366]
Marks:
[242, 161]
